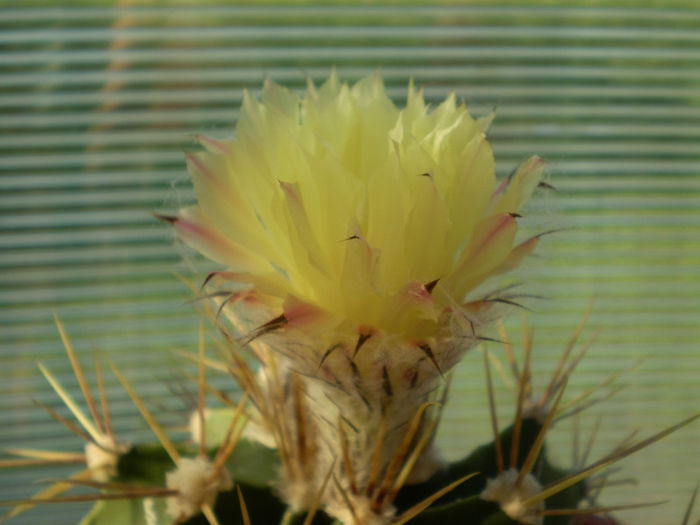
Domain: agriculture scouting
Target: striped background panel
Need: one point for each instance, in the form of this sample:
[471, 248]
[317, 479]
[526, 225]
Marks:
[99, 99]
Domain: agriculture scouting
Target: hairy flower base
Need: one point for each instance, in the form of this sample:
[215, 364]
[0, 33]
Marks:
[357, 406]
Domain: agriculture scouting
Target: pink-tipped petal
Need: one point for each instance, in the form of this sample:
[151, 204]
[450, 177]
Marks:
[220, 192]
[517, 255]
[520, 187]
[195, 229]
[213, 145]
[413, 312]
[490, 246]
[300, 313]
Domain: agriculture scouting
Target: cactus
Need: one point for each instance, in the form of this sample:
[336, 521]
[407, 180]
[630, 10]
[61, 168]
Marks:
[354, 245]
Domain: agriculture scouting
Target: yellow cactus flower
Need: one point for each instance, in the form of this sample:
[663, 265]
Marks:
[340, 206]
[361, 230]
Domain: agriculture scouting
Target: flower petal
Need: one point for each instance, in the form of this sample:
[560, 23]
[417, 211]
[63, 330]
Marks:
[517, 255]
[520, 186]
[359, 294]
[195, 229]
[412, 312]
[488, 248]
[219, 191]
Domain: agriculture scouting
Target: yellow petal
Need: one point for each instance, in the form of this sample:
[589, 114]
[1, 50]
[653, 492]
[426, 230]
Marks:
[359, 294]
[520, 186]
[490, 246]
[425, 253]
[517, 255]
[195, 229]
[416, 186]
[471, 189]
[412, 312]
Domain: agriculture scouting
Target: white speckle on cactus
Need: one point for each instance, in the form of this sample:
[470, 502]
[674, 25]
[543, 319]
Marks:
[503, 490]
[198, 483]
[102, 457]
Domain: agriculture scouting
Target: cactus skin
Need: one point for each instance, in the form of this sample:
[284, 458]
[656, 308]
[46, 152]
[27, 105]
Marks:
[464, 500]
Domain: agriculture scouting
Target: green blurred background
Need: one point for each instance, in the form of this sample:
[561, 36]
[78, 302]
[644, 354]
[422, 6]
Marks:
[98, 100]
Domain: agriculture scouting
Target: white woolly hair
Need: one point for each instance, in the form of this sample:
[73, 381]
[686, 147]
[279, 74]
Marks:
[503, 491]
[102, 457]
[362, 512]
[197, 484]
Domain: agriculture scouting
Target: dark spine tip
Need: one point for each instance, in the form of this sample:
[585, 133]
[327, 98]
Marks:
[270, 326]
[353, 368]
[223, 304]
[489, 339]
[172, 219]
[515, 215]
[549, 232]
[414, 378]
[429, 286]
[361, 340]
[327, 353]
[277, 322]
[546, 186]
[506, 301]
[425, 347]
[208, 278]
[386, 382]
